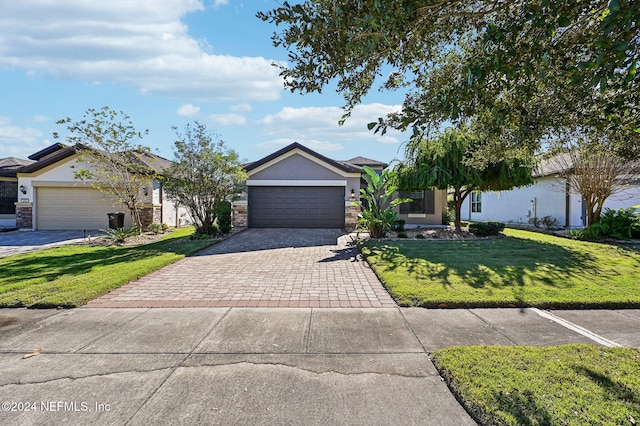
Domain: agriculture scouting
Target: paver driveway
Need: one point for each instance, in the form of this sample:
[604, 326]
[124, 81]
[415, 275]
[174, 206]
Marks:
[262, 268]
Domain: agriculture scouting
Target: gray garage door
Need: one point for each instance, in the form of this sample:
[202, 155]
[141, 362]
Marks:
[296, 207]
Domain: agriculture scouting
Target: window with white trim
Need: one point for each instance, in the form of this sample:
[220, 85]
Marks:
[476, 202]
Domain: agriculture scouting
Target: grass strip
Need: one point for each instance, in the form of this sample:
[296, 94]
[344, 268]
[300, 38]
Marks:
[523, 269]
[71, 275]
[557, 385]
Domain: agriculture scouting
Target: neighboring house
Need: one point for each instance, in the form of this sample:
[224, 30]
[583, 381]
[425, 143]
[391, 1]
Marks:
[9, 190]
[52, 199]
[548, 196]
[296, 187]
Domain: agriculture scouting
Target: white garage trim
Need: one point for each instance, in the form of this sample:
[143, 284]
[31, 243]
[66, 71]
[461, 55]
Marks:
[258, 182]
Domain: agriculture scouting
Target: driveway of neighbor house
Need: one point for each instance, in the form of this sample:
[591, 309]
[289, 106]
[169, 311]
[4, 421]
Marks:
[23, 241]
[262, 268]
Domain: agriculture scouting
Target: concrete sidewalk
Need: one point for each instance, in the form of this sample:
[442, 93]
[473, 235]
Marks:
[257, 366]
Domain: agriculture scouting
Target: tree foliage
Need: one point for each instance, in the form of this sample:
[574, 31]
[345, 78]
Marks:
[515, 69]
[377, 213]
[205, 174]
[110, 154]
[441, 163]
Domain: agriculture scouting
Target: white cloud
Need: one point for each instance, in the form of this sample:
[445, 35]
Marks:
[41, 118]
[141, 43]
[18, 141]
[316, 145]
[244, 107]
[188, 110]
[321, 123]
[217, 3]
[228, 119]
[388, 139]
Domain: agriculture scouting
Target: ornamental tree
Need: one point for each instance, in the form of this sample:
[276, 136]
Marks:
[441, 163]
[111, 157]
[593, 170]
[205, 174]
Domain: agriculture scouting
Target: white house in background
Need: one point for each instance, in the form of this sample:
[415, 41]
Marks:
[548, 196]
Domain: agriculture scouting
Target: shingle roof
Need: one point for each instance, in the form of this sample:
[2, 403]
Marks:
[60, 152]
[9, 166]
[363, 161]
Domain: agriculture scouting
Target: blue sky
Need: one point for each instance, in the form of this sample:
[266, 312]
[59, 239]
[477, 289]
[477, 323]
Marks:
[166, 63]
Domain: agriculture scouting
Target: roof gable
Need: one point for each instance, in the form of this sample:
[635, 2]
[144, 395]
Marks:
[296, 147]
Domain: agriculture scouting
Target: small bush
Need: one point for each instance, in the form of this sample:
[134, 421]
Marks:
[223, 217]
[484, 229]
[621, 224]
[120, 235]
[549, 222]
[158, 228]
[420, 237]
[402, 235]
[199, 236]
[398, 225]
[448, 216]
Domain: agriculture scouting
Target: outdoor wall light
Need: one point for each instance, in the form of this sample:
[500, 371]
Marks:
[145, 191]
[353, 195]
[23, 189]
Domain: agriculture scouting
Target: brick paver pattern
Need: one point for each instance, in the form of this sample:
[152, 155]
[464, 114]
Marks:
[262, 268]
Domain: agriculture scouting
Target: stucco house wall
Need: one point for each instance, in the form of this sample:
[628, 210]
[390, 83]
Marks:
[440, 205]
[547, 197]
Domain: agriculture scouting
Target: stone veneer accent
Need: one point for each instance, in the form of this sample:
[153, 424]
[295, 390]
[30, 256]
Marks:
[24, 217]
[239, 212]
[351, 216]
[146, 216]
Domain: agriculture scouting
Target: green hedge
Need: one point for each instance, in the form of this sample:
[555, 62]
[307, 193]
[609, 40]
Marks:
[484, 229]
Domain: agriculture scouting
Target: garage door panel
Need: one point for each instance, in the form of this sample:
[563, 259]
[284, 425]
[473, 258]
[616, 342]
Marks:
[296, 207]
[74, 209]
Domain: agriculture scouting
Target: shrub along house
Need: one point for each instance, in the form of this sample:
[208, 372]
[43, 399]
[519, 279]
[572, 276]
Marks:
[296, 187]
[52, 199]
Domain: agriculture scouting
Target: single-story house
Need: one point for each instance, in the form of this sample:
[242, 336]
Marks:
[296, 187]
[550, 195]
[50, 198]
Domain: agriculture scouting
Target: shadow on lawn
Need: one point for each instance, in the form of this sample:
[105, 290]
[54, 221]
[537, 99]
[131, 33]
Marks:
[58, 262]
[487, 264]
[523, 407]
[612, 389]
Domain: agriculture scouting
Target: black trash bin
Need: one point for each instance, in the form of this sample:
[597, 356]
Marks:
[116, 220]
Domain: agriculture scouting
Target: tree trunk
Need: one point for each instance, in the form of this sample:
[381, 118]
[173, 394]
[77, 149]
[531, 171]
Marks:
[459, 195]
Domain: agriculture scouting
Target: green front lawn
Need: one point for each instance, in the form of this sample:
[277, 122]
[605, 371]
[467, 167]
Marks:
[561, 385]
[70, 276]
[524, 269]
